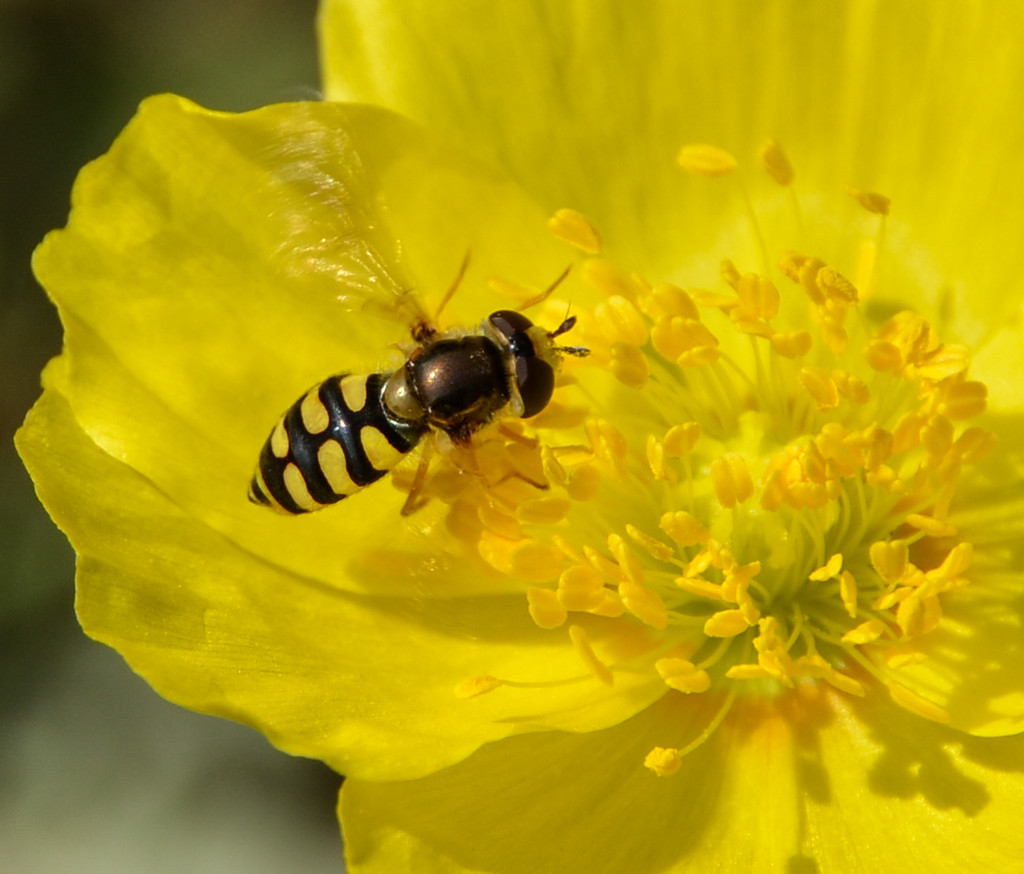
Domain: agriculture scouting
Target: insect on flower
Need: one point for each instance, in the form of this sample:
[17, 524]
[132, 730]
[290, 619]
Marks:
[349, 430]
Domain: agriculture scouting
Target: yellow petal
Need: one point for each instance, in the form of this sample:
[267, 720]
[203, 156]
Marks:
[872, 765]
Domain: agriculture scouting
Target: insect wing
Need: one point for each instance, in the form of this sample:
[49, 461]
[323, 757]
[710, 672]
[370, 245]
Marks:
[334, 238]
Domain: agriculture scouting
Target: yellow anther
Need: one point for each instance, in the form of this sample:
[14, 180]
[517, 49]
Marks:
[655, 547]
[476, 686]
[706, 160]
[834, 335]
[656, 457]
[850, 387]
[580, 588]
[943, 363]
[747, 672]
[731, 479]
[500, 522]
[571, 226]
[669, 300]
[845, 683]
[699, 356]
[606, 439]
[914, 337]
[675, 336]
[740, 575]
[721, 557]
[974, 444]
[726, 623]
[620, 321]
[835, 286]
[958, 560]
[891, 599]
[907, 433]
[768, 635]
[870, 200]
[879, 447]
[792, 264]
[848, 593]
[533, 560]
[644, 603]
[759, 298]
[809, 495]
[820, 387]
[866, 632]
[776, 163]
[904, 658]
[629, 365]
[608, 569]
[567, 549]
[829, 571]
[496, 550]
[774, 492]
[618, 547]
[584, 483]
[680, 439]
[682, 675]
[965, 400]
[585, 651]
[883, 356]
[930, 525]
[751, 612]
[791, 344]
[543, 511]
[890, 559]
[937, 436]
[463, 521]
[700, 587]
[545, 608]
[663, 761]
[918, 614]
[611, 605]
[729, 273]
[815, 464]
[713, 299]
[915, 703]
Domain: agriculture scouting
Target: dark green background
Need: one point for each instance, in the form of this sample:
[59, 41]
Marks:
[97, 773]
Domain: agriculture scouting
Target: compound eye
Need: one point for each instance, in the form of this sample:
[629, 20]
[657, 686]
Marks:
[509, 322]
[536, 380]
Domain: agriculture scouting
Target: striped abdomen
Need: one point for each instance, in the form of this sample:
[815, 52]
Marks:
[330, 443]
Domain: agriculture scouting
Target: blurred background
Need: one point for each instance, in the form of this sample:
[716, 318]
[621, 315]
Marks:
[97, 773]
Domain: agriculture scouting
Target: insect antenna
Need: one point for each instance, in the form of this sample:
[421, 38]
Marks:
[567, 325]
[454, 286]
[546, 293]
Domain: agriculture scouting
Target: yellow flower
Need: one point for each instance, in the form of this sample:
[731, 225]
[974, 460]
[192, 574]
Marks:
[747, 594]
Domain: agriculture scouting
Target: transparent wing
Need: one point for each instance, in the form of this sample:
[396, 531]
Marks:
[333, 233]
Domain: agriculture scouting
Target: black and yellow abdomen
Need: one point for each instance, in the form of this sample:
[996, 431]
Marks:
[335, 440]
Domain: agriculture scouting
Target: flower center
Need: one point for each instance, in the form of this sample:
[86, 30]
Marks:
[764, 488]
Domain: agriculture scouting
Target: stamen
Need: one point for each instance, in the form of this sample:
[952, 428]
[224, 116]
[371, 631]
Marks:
[776, 163]
[571, 226]
[870, 200]
[706, 160]
[765, 492]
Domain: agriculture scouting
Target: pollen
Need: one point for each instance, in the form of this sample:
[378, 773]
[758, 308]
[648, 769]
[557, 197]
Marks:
[748, 488]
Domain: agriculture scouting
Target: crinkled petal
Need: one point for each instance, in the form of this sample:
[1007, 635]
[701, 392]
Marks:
[213, 267]
[364, 682]
[216, 266]
[587, 103]
[789, 786]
